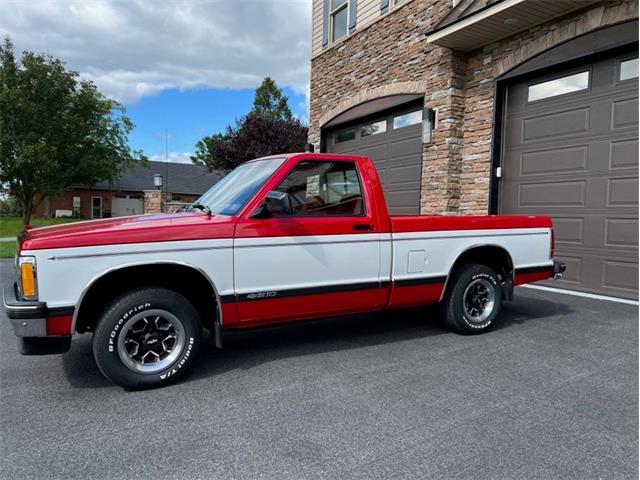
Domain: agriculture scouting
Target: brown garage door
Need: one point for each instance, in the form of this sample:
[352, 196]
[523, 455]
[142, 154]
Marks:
[393, 141]
[571, 151]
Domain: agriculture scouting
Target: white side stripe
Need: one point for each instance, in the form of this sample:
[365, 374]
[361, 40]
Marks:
[583, 294]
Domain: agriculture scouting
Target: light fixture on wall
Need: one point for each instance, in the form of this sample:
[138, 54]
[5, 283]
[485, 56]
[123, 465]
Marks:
[157, 181]
[428, 124]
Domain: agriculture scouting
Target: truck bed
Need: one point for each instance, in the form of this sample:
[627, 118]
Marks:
[426, 249]
[422, 223]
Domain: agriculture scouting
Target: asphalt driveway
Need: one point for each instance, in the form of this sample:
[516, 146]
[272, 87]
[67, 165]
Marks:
[551, 392]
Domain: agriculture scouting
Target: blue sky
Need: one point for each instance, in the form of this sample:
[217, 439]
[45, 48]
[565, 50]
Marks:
[190, 66]
[188, 115]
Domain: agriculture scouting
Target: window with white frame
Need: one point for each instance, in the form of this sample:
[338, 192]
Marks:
[339, 19]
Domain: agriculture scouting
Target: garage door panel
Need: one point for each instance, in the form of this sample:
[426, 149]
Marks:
[617, 274]
[569, 230]
[543, 194]
[555, 125]
[625, 113]
[623, 191]
[621, 232]
[575, 157]
[571, 159]
[121, 206]
[623, 154]
[401, 201]
[404, 176]
[377, 153]
[407, 147]
[598, 157]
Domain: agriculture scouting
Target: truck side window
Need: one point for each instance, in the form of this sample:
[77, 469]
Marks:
[324, 189]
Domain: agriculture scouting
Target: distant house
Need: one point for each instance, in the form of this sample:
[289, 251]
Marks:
[135, 192]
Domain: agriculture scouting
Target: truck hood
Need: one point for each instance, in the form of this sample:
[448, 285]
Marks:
[134, 229]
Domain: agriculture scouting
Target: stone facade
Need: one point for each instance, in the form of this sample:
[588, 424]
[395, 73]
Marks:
[152, 201]
[391, 56]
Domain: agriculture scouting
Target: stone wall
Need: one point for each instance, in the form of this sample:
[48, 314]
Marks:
[392, 56]
[152, 201]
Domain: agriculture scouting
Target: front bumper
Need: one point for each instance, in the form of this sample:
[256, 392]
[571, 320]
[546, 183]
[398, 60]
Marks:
[29, 318]
[29, 321]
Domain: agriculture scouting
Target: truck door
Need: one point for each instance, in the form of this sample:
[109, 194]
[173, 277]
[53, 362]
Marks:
[320, 257]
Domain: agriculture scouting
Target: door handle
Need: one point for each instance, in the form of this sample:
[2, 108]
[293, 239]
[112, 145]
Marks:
[362, 226]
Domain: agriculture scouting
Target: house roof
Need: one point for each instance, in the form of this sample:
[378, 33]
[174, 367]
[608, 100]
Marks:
[462, 9]
[176, 178]
[472, 24]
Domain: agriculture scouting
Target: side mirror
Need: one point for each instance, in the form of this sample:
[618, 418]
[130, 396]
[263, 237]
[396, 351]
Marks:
[274, 202]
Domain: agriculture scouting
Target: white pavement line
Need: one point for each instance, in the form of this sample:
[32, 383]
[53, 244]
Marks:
[583, 294]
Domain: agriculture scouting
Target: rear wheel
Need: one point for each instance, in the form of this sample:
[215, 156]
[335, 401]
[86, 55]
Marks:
[147, 338]
[473, 300]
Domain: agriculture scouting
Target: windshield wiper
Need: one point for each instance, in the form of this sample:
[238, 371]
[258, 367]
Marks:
[202, 207]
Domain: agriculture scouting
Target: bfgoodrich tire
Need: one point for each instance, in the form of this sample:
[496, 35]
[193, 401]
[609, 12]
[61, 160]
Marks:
[473, 300]
[147, 338]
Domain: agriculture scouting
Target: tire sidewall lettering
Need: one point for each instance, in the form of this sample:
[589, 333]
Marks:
[173, 369]
[124, 317]
[183, 359]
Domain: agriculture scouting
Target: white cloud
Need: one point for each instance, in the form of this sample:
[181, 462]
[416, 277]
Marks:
[174, 157]
[135, 48]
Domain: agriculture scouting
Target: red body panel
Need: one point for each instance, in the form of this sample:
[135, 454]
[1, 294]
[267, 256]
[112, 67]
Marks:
[136, 229]
[434, 223]
[302, 307]
[415, 295]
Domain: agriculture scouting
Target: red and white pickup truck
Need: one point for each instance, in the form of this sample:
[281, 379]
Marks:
[279, 239]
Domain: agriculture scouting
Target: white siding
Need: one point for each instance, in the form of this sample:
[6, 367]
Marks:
[368, 10]
[316, 27]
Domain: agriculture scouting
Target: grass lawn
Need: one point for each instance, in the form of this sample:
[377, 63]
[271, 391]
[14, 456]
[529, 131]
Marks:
[11, 226]
[8, 249]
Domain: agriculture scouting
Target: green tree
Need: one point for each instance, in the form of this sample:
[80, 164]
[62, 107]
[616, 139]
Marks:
[56, 130]
[268, 129]
[208, 148]
[269, 102]
[252, 137]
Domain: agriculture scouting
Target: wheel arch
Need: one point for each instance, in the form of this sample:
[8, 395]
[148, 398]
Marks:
[113, 272]
[491, 255]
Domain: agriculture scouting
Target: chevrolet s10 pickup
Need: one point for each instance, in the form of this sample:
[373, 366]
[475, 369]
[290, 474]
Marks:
[280, 239]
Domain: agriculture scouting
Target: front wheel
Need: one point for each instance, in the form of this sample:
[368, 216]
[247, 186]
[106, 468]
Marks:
[473, 300]
[147, 338]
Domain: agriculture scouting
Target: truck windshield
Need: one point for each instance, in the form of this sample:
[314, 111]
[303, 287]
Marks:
[229, 195]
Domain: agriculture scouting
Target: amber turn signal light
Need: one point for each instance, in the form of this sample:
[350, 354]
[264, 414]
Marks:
[28, 278]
